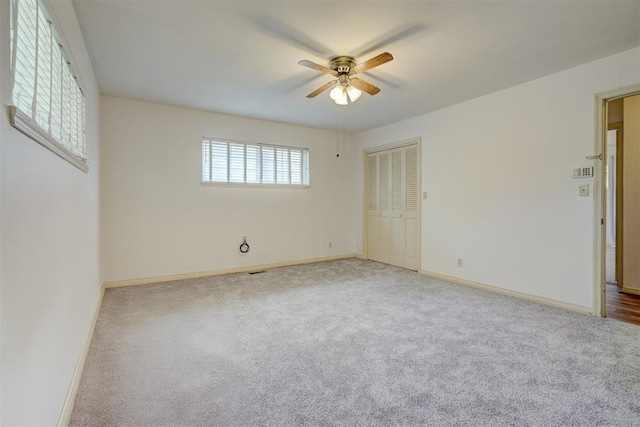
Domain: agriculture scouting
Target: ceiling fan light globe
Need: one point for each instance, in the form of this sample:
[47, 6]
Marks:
[341, 101]
[337, 93]
[353, 93]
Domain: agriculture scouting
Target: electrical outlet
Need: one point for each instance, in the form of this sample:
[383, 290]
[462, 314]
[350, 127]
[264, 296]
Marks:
[459, 262]
[330, 245]
[583, 190]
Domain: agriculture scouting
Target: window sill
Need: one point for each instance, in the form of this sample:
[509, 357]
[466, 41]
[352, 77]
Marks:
[27, 126]
[245, 185]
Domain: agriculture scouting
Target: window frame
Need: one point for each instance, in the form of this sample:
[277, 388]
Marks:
[245, 184]
[28, 125]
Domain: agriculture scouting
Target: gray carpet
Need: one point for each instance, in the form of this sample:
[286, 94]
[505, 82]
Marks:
[351, 342]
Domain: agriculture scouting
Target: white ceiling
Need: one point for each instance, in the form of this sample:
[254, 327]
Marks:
[240, 57]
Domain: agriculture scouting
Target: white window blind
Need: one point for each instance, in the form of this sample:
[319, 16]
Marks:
[250, 163]
[48, 103]
[268, 156]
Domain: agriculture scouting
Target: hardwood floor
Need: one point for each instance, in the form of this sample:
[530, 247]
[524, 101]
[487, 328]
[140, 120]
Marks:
[620, 306]
[624, 307]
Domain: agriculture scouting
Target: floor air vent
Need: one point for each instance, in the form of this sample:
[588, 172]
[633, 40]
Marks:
[256, 272]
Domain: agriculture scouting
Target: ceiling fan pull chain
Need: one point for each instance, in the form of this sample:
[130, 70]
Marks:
[344, 128]
[338, 130]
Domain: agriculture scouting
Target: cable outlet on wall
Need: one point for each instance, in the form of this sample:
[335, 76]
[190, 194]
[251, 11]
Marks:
[244, 238]
[459, 262]
[583, 190]
[330, 245]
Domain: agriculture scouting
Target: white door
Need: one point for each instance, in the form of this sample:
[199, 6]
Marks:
[411, 200]
[392, 198]
[397, 237]
[373, 214]
[384, 178]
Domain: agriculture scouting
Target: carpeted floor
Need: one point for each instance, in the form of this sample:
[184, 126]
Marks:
[351, 342]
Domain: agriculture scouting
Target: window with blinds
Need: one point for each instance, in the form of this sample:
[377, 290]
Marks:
[48, 103]
[235, 162]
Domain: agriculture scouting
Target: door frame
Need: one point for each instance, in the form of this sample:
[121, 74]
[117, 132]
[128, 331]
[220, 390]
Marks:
[365, 185]
[617, 208]
[599, 191]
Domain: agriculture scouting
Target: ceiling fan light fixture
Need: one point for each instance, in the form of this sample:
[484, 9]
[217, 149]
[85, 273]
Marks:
[342, 101]
[353, 93]
[344, 67]
[339, 95]
[335, 92]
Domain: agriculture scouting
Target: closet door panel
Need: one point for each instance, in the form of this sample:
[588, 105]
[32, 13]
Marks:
[412, 240]
[396, 249]
[385, 205]
[373, 239]
[373, 212]
[411, 200]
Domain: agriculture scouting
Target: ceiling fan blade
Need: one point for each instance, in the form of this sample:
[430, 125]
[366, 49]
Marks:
[281, 30]
[315, 66]
[364, 86]
[401, 32]
[322, 89]
[383, 58]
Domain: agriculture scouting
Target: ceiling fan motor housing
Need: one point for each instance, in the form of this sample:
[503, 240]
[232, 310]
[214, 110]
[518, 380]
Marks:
[342, 64]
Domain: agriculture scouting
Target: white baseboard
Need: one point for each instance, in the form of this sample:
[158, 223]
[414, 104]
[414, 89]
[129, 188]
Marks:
[243, 269]
[360, 256]
[65, 415]
[508, 292]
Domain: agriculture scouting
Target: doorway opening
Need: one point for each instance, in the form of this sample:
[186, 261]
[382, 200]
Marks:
[617, 205]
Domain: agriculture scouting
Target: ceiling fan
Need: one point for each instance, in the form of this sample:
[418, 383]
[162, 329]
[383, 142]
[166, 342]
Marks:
[347, 87]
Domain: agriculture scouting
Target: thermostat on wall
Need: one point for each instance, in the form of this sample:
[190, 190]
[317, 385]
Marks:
[583, 172]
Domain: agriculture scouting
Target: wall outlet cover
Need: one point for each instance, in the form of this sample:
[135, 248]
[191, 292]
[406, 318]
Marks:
[583, 190]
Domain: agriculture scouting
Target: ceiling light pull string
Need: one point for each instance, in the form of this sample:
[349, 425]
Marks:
[337, 130]
[340, 128]
[344, 126]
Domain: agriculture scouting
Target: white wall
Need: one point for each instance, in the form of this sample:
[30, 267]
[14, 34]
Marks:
[4, 74]
[50, 273]
[158, 220]
[498, 173]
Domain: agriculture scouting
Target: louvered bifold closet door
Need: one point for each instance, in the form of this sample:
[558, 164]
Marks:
[373, 212]
[411, 200]
[397, 235]
[384, 190]
[393, 227]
